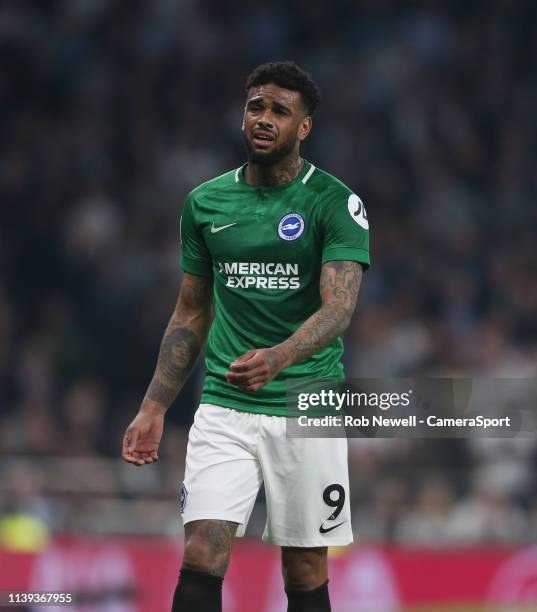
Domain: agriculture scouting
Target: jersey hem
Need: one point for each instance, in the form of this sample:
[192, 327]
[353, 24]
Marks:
[224, 402]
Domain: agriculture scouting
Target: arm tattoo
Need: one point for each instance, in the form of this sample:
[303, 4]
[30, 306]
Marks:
[182, 340]
[178, 353]
[217, 536]
[339, 285]
[340, 282]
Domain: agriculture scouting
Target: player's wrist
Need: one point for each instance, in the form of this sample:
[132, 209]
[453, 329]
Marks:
[152, 407]
[283, 357]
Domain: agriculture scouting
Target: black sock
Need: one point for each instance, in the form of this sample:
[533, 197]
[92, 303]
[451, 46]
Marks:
[197, 592]
[309, 601]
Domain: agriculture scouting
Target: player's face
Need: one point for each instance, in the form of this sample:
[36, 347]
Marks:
[274, 123]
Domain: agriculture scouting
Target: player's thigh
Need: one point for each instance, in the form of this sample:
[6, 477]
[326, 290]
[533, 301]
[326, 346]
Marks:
[307, 491]
[222, 472]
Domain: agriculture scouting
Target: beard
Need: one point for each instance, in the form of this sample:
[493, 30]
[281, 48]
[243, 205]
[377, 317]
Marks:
[269, 158]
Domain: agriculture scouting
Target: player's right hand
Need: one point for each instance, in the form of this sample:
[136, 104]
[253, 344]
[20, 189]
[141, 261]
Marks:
[142, 438]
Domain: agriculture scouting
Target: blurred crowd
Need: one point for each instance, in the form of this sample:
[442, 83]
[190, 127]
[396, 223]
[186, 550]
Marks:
[111, 111]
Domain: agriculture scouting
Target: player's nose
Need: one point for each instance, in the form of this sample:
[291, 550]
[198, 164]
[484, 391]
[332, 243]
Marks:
[264, 122]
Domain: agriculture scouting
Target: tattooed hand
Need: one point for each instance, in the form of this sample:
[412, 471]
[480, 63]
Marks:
[255, 368]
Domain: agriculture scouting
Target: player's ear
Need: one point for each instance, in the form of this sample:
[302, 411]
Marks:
[304, 128]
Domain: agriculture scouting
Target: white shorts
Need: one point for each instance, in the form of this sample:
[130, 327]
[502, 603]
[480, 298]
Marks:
[230, 453]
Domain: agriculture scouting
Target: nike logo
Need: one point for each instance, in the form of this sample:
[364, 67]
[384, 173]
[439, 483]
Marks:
[215, 230]
[323, 529]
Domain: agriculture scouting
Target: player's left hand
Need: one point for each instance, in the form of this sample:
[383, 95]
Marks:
[255, 368]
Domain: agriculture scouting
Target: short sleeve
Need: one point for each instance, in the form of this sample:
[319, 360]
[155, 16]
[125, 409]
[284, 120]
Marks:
[345, 228]
[195, 257]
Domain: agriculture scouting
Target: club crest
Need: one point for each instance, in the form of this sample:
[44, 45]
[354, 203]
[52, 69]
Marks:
[184, 495]
[291, 226]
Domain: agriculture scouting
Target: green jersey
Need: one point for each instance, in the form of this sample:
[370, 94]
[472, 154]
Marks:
[264, 247]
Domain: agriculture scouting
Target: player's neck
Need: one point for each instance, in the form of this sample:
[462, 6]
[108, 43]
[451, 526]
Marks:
[274, 176]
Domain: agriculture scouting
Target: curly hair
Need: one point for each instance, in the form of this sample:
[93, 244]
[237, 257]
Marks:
[289, 76]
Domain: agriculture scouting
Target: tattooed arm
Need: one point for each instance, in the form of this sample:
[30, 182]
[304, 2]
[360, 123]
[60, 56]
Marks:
[179, 349]
[182, 341]
[339, 285]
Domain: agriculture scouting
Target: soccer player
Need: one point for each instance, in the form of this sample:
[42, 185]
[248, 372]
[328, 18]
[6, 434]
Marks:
[279, 246]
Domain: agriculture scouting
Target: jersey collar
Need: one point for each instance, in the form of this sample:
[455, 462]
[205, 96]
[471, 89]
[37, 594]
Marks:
[303, 176]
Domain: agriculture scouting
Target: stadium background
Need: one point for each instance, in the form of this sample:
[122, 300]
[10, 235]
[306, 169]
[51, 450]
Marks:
[111, 111]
